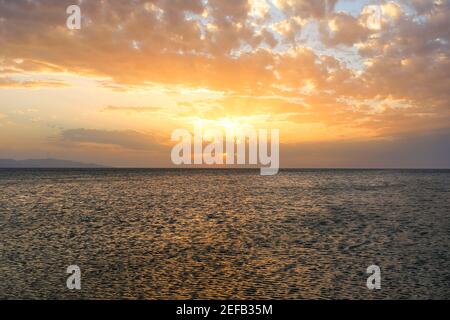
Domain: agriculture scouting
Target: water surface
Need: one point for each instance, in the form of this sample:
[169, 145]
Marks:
[224, 234]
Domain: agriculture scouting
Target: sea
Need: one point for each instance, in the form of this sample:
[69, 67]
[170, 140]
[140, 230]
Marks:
[224, 233]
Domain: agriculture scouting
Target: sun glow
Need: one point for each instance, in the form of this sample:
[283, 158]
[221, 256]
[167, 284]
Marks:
[231, 125]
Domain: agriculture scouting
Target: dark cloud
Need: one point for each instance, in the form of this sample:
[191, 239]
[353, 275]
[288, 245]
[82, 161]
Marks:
[410, 151]
[421, 6]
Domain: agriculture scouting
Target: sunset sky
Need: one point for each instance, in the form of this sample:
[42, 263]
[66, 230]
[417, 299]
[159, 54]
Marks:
[345, 88]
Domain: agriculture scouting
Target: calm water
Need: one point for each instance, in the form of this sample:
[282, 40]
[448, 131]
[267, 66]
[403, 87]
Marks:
[174, 234]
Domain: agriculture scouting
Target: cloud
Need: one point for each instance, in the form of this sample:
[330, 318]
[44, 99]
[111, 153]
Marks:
[6, 82]
[174, 44]
[131, 109]
[289, 28]
[411, 61]
[231, 106]
[431, 150]
[341, 28]
[126, 139]
[421, 6]
[307, 8]
[241, 48]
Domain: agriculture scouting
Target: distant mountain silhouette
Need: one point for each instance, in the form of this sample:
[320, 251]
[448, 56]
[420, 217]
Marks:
[46, 163]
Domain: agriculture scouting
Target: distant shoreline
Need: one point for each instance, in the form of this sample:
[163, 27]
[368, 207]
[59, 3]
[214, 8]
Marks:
[69, 164]
[224, 169]
[46, 164]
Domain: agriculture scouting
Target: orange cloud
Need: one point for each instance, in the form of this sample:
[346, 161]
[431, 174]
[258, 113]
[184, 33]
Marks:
[264, 57]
